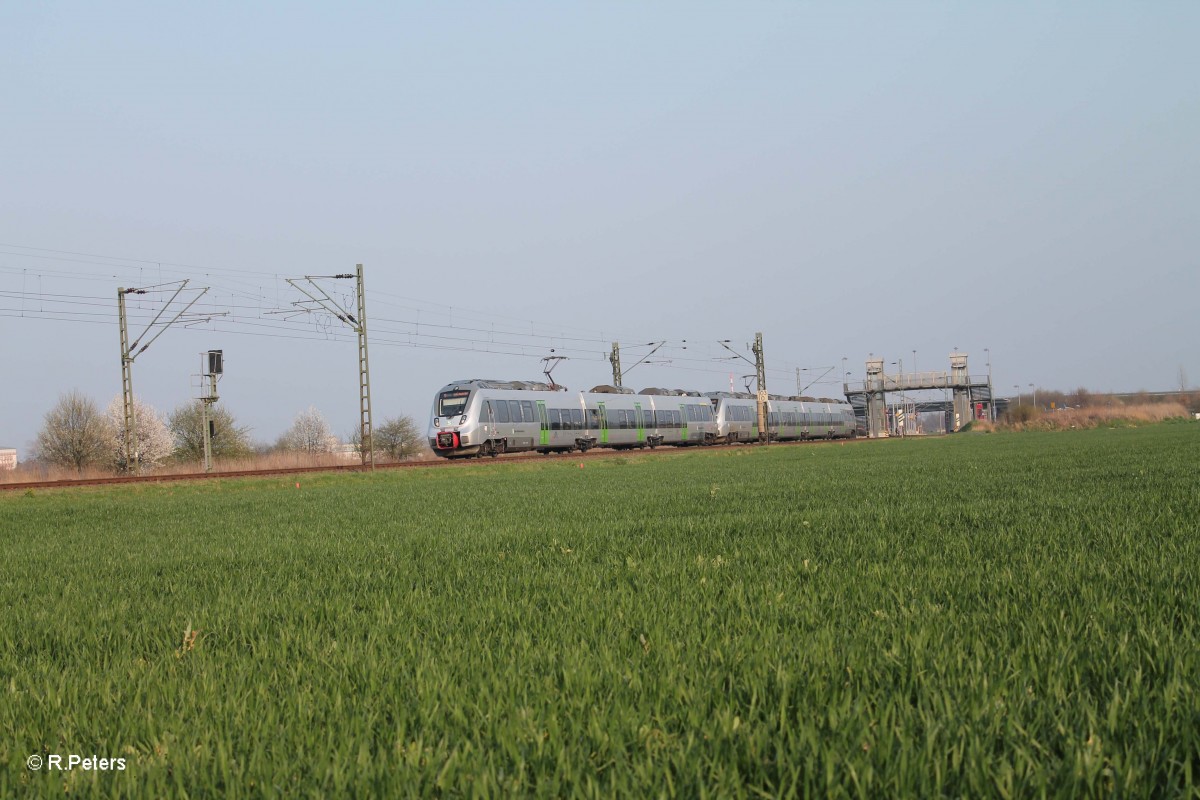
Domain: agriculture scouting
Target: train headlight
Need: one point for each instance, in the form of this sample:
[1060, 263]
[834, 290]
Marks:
[437, 423]
[463, 420]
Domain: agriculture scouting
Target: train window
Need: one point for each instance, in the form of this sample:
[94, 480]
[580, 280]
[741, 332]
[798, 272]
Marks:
[555, 421]
[501, 409]
[593, 415]
[625, 415]
[577, 418]
[647, 417]
[676, 419]
[527, 410]
[514, 410]
[485, 411]
[452, 404]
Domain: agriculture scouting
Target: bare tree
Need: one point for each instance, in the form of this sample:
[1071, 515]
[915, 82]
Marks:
[154, 441]
[397, 438]
[186, 424]
[74, 434]
[310, 433]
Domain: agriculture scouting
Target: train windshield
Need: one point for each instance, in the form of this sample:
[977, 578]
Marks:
[452, 404]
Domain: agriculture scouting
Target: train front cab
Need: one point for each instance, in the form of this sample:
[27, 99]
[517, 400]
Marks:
[450, 429]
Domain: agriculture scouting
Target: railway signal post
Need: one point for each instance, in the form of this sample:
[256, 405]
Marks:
[212, 371]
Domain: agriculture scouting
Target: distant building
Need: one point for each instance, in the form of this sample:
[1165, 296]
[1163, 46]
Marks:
[8, 458]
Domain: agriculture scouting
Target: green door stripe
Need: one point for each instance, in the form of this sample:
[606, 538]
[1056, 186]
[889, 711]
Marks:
[545, 432]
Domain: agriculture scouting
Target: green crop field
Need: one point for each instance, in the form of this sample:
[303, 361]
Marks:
[1008, 615]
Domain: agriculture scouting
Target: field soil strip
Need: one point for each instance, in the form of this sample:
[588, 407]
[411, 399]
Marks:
[473, 461]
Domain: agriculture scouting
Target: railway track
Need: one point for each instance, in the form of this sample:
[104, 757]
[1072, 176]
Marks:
[440, 463]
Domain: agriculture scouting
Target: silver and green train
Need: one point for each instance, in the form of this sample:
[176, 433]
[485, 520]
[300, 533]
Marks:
[490, 417]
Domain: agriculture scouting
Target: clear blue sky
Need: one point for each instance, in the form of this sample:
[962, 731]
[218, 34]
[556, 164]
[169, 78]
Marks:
[845, 178]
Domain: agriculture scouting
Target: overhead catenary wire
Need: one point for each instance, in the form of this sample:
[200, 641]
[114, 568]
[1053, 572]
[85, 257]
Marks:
[250, 296]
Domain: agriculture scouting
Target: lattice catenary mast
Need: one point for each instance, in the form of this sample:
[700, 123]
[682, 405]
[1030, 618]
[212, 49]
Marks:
[358, 324]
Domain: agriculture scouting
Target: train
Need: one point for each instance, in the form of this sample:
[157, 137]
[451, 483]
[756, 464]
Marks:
[490, 417]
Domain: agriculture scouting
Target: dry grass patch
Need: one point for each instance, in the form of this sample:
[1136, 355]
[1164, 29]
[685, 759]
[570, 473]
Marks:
[1102, 416]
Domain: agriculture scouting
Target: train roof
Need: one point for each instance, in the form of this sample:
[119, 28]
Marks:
[517, 386]
[653, 391]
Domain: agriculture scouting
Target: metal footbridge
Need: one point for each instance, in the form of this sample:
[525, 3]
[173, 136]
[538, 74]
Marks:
[971, 395]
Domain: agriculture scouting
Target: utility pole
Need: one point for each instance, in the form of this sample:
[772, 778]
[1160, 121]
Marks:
[799, 390]
[131, 446]
[991, 391]
[760, 367]
[130, 352]
[319, 300]
[366, 431]
[760, 370]
[614, 358]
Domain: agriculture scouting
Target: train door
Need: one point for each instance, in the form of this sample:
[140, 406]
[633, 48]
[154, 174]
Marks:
[683, 413]
[603, 425]
[641, 427]
[544, 437]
